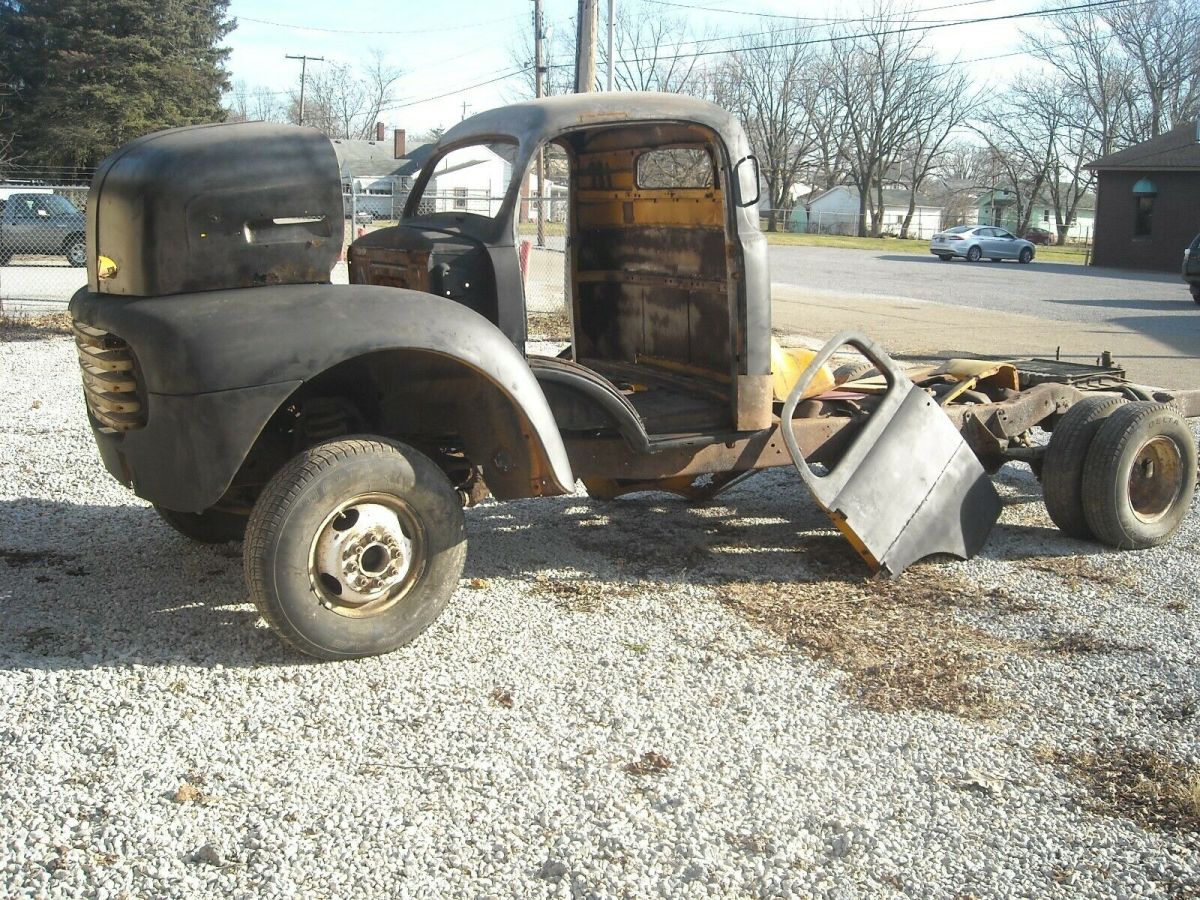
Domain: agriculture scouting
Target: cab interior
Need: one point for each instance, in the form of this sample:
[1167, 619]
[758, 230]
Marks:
[648, 286]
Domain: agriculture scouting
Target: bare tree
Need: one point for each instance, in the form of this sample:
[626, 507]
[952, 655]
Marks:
[772, 86]
[345, 103]
[1023, 130]
[1133, 69]
[877, 74]
[559, 47]
[654, 51]
[255, 104]
[7, 156]
[940, 110]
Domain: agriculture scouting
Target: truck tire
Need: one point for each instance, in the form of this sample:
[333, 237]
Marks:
[1140, 476]
[354, 548]
[75, 249]
[1063, 465]
[213, 526]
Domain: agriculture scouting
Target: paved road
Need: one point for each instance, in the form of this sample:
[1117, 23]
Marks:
[915, 304]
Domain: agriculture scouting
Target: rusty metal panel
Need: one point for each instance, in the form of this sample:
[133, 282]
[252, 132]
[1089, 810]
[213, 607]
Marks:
[908, 485]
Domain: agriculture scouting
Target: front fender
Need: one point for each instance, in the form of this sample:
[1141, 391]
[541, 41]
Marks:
[219, 341]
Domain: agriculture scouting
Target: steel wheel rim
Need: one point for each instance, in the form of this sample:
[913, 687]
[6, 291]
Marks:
[1155, 479]
[367, 555]
[77, 252]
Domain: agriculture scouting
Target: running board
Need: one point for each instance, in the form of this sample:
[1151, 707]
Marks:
[908, 485]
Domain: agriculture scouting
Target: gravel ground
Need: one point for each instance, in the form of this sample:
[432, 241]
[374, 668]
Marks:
[621, 700]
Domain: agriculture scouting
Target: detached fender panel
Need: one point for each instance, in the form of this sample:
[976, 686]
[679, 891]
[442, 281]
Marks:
[219, 341]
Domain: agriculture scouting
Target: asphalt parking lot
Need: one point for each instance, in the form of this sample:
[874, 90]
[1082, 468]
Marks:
[920, 305]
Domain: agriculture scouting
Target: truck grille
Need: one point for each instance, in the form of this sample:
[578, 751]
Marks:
[110, 382]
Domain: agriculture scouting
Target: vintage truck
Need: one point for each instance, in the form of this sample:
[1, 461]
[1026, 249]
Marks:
[344, 428]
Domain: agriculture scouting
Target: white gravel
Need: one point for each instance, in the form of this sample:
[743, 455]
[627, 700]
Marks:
[131, 666]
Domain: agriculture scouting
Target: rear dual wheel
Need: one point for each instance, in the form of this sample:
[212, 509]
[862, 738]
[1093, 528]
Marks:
[354, 548]
[1122, 473]
[1140, 476]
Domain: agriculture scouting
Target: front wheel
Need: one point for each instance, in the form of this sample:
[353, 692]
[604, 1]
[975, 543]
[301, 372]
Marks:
[1140, 476]
[354, 548]
[1025, 256]
[974, 254]
[76, 251]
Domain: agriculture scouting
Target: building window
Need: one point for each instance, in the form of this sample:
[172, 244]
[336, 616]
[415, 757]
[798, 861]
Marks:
[460, 198]
[1045, 215]
[1143, 217]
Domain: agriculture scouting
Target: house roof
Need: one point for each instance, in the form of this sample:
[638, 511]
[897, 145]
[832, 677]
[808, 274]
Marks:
[1004, 197]
[1175, 149]
[366, 159]
[891, 196]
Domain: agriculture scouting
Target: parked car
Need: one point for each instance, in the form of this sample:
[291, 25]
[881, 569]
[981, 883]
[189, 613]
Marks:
[1191, 267]
[1039, 236]
[973, 242]
[38, 223]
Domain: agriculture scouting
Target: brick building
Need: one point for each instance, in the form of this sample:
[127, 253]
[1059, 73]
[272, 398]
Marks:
[1148, 201]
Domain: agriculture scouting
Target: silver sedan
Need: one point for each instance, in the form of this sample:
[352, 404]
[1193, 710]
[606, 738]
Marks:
[973, 242]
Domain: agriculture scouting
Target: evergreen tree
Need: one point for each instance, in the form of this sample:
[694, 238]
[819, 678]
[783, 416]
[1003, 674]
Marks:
[88, 75]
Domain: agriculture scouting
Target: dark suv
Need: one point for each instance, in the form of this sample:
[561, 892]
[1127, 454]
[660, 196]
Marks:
[1191, 267]
[38, 223]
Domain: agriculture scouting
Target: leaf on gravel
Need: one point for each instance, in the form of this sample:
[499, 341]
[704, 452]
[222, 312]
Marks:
[501, 697]
[478, 584]
[651, 763]
[978, 781]
[189, 793]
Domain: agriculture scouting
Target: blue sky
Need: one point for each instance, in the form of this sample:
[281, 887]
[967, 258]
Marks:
[443, 47]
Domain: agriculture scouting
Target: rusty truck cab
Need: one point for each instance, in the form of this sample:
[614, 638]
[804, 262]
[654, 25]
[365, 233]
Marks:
[665, 281]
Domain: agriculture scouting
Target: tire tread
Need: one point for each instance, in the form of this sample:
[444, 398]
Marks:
[1062, 470]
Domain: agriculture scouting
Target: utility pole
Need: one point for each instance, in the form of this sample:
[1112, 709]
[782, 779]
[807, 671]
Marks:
[465, 105]
[303, 75]
[585, 60]
[612, 27]
[539, 74]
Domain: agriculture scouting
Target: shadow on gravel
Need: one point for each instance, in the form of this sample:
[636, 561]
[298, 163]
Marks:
[84, 585]
[104, 585]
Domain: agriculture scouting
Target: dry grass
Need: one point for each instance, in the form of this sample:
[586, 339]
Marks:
[1076, 569]
[582, 595]
[23, 327]
[549, 327]
[1086, 642]
[899, 640]
[1145, 786]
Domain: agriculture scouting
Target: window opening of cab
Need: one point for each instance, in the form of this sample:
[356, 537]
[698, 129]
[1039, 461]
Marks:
[676, 168]
[471, 179]
[650, 285]
[542, 225]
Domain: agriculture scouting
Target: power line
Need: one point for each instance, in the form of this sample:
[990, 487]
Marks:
[371, 31]
[816, 19]
[469, 87]
[839, 38]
